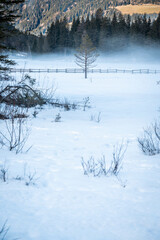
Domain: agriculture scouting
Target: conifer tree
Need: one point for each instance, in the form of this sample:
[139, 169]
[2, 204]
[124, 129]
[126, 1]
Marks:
[7, 18]
[128, 24]
[76, 32]
[155, 29]
[64, 34]
[122, 28]
[51, 37]
[114, 24]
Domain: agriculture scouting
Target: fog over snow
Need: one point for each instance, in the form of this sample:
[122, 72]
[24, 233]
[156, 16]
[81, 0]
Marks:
[131, 57]
[65, 204]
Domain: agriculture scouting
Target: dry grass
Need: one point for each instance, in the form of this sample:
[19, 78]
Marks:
[139, 9]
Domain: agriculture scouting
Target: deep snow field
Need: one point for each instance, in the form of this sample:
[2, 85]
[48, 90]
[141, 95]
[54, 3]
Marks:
[64, 204]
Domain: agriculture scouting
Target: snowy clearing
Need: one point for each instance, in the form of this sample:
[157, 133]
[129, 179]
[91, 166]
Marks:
[63, 203]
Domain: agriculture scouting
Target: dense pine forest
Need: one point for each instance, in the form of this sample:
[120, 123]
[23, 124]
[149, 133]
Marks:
[105, 32]
[46, 12]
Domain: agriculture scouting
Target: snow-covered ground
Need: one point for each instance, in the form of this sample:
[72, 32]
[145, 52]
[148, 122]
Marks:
[64, 204]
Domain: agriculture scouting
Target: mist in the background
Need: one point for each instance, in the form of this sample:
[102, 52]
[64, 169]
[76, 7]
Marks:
[132, 57]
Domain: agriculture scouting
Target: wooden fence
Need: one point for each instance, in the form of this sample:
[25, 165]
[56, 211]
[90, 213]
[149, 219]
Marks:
[76, 70]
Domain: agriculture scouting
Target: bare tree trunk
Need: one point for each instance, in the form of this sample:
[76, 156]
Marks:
[85, 72]
[85, 67]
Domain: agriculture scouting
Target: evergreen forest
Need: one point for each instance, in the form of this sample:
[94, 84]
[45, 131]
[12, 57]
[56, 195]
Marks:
[106, 33]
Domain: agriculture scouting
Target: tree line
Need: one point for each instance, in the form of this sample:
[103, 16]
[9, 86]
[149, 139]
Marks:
[107, 33]
[47, 11]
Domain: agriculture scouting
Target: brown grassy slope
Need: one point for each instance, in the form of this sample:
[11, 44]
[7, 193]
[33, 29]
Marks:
[139, 9]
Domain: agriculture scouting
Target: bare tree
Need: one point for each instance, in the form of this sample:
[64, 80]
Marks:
[86, 54]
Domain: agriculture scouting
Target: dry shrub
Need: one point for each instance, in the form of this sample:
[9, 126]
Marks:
[149, 142]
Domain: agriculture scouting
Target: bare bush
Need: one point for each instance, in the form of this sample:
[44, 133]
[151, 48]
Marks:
[31, 178]
[58, 118]
[3, 112]
[149, 142]
[25, 93]
[28, 177]
[86, 102]
[68, 105]
[65, 104]
[93, 167]
[18, 178]
[3, 231]
[4, 173]
[96, 118]
[16, 130]
[6, 111]
[99, 168]
[35, 113]
[156, 127]
[21, 94]
[119, 151]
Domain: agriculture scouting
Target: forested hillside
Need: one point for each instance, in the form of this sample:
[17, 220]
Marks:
[38, 15]
[106, 33]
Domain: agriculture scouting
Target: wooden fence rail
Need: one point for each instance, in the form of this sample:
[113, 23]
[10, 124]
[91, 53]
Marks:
[76, 70]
